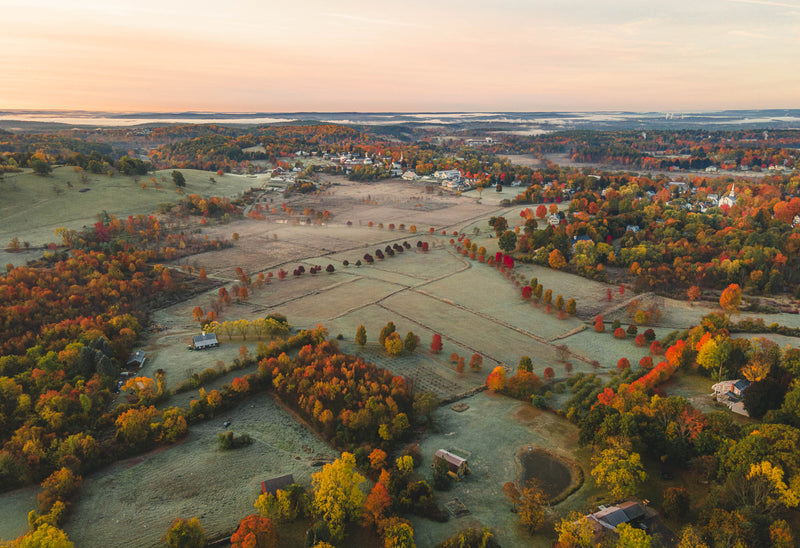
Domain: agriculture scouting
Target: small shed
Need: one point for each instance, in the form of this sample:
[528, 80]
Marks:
[271, 486]
[204, 340]
[136, 359]
[455, 464]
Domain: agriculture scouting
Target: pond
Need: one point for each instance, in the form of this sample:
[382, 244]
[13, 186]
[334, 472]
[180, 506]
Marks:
[550, 471]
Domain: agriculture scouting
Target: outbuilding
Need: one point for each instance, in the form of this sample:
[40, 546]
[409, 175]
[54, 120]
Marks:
[205, 340]
[271, 486]
[455, 464]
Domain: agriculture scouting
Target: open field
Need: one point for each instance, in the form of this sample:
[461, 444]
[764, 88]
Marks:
[14, 508]
[33, 206]
[489, 434]
[134, 501]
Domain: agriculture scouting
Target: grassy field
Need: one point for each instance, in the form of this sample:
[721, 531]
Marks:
[34, 206]
[489, 434]
[134, 501]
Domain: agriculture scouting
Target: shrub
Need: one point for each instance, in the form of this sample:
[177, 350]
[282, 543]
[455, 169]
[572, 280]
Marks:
[646, 362]
[640, 340]
[650, 335]
[623, 364]
[632, 329]
[619, 333]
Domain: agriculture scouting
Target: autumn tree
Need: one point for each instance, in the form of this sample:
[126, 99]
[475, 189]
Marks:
[731, 298]
[693, 293]
[255, 532]
[393, 344]
[361, 335]
[185, 533]
[618, 469]
[531, 507]
[496, 381]
[337, 493]
[398, 533]
[436, 343]
[556, 260]
[632, 537]
[386, 330]
[61, 485]
[525, 364]
[377, 504]
[575, 531]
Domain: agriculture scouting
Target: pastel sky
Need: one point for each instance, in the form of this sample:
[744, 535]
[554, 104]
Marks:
[414, 55]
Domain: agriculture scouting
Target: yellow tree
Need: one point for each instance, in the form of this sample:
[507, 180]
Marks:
[44, 536]
[144, 388]
[618, 469]
[575, 531]
[631, 537]
[337, 493]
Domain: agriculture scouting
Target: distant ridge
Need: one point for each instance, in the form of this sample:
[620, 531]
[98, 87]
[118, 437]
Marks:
[548, 121]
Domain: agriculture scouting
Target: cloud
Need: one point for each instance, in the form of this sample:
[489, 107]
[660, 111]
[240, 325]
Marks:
[767, 3]
[746, 33]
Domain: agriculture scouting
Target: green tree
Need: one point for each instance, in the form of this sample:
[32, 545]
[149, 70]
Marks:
[525, 364]
[499, 224]
[571, 307]
[618, 469]
[507, 242]
[387, 330]
[40, 167]
[337, 493]
[178, 178]
[361, 335]
[185, 533]
[410, 342]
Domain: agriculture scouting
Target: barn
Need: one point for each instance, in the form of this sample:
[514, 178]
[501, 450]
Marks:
[455, 464]
[271, 486]
[205, 340]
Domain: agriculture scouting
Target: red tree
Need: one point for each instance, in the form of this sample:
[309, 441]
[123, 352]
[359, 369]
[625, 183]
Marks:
[436, 343]
[255, 532]
[623, 364]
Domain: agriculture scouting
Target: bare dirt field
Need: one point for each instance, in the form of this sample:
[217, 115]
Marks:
[134, 501]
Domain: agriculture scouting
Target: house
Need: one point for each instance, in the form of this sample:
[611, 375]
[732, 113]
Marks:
[796, 221]
[632, 228]
[554, 219]
[271, 486]
[447, 174]
[730, 394]
[711, 169]
[410, 176]
[204, 340]
[136, 359]
[730, 199]
[455, 464]
[614, 516]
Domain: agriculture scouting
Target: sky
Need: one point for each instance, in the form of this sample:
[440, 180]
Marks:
[410, 56]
